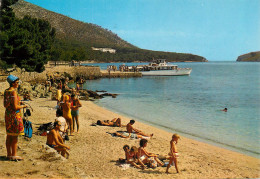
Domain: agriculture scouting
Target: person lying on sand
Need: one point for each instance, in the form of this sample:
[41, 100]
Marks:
[173, 153]
[55, 141]
[130, 129]
[130, 135]
[145, 157]
[116, 122]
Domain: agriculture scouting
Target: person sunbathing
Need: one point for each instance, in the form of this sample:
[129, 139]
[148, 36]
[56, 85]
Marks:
[54, 140]
[116, 122]
[131, 135]
[126, 149]
[132, 158]
[130, 129]
[145, 157]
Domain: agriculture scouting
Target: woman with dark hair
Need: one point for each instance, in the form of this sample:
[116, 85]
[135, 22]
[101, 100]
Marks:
[145, 157]
[13, 119]
[132, 157]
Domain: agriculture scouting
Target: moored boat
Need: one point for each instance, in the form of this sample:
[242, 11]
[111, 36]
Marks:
[161, 68]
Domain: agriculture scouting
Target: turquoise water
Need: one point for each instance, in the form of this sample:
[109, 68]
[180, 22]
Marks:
[191, 105]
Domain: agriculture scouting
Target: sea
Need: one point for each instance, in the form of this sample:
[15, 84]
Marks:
[192, 105]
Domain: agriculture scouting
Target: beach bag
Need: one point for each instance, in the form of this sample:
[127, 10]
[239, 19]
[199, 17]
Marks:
[27, 128]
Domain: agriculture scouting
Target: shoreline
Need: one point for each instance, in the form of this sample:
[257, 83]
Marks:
[94, 151]
[191, 136]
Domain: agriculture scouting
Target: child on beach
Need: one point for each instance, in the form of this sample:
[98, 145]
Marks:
[173, 153]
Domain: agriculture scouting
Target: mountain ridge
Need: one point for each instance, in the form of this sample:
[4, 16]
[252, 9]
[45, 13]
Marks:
[87, 35]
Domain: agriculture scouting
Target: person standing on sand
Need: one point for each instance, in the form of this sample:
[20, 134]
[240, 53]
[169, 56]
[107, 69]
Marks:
[13, 119]
[173, 153]
[130, 129]
[75, 105]
[66, 109]
[54, 140]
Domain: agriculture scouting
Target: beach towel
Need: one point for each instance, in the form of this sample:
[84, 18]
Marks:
[125, 166]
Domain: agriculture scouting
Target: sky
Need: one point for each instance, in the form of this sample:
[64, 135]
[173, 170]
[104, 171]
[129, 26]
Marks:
[219, 30]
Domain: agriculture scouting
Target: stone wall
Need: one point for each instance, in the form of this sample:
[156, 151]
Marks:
[86, 71]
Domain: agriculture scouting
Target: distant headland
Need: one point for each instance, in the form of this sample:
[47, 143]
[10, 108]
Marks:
[249, 57]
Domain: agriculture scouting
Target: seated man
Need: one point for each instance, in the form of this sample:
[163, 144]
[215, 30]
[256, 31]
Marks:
[116, 122]
[130, 129]
[55, 141]
[62, 120]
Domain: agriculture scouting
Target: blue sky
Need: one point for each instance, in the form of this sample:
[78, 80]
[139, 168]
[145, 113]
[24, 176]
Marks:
[219, 30]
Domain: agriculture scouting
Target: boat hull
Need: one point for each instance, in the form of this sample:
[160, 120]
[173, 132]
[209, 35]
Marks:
[179, 72]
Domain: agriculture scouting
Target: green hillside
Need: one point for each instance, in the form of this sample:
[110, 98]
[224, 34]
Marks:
[74, 40]
[249, 57]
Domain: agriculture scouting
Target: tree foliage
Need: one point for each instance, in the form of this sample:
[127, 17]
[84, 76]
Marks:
[25, 42]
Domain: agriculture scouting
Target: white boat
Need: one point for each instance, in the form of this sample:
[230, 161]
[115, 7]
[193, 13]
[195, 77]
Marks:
[161, 68]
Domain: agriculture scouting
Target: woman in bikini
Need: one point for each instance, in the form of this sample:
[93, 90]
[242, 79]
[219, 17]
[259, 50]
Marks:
[145, 157]
[116, 122]
[131, 157]
[66, 108]
[173, 153]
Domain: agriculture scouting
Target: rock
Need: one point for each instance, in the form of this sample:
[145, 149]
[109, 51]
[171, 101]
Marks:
[84, 93]
[94, 94]
[110, 94]
[86, 98]
[103, 91]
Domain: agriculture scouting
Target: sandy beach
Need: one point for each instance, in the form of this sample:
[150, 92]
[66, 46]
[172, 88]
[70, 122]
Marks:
[94, 152]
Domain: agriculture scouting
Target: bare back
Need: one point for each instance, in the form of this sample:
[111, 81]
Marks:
[129, 128]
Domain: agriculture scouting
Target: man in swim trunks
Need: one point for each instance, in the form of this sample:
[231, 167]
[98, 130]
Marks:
[75, 105]
[130, 129]
[55, 141]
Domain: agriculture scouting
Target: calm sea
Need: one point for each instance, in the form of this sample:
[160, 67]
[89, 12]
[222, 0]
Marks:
[191, 105]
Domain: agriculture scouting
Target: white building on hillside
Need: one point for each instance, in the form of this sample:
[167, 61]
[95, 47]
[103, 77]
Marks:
[110, 50]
